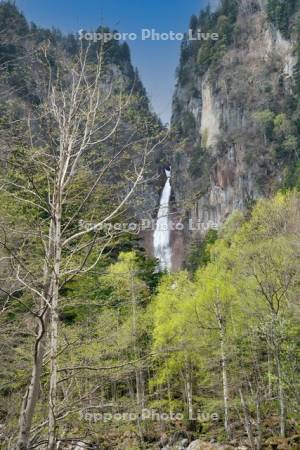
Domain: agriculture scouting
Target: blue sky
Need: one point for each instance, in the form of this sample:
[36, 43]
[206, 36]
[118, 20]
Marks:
[155, 60]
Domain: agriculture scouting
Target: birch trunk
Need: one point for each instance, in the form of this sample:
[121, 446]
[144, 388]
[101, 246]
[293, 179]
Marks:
[53, 374]
[222, 332]
[189, 389]
[225, 385]
[281, 396]
[269, 375]
[54, 315]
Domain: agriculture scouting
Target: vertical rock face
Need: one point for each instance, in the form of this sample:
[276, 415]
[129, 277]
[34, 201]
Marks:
[210, 119]
[224, 159]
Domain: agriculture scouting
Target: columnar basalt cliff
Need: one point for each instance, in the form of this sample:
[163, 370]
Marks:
[232, 101]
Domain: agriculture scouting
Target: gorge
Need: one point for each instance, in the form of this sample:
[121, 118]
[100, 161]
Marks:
[171, 319]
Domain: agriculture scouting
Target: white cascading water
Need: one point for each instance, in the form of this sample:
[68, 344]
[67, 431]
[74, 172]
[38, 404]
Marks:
[162, 235]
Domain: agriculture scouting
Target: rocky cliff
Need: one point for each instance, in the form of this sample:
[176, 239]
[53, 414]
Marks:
[232, 112]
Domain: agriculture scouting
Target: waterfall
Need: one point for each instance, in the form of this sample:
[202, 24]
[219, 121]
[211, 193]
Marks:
[161, 238]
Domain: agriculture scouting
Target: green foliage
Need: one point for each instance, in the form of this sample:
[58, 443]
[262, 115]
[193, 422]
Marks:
[243, 295]
[293, 177]
[130, 335]
[210, 52]
[265, 120]
[281, 132]
[197, 161]
[280, 13]
[199, 252]
[197, 56]
[11, 18]
[232, 225]
[188, 124]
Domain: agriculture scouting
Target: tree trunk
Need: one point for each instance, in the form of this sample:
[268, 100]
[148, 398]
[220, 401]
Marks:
[53, 374]
[139, 376]
[32, 393]
[189, 389]
[269, 374]
[169, 396]
[222, 334]
[225, 384]
[54, 320]
[258, 422]
[281, 398]
[247, 421]
[140, 388]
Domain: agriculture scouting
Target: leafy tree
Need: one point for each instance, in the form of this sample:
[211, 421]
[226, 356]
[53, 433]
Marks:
[280, 12]
[199, 253]
[265, 120]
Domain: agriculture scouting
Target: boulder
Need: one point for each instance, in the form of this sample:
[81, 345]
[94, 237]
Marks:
[202, 445]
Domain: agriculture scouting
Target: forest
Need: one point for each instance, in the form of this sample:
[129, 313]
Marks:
[100, 348]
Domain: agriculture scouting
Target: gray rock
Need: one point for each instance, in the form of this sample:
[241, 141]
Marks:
[174, 447]
[202, 445]
[195, 445]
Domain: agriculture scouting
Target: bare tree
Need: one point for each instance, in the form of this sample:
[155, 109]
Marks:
[80, 118]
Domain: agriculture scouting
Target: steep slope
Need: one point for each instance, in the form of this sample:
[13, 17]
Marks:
[235, 111]
[28, 53]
